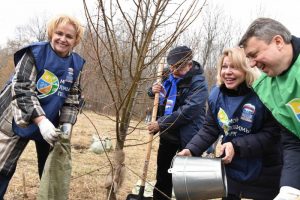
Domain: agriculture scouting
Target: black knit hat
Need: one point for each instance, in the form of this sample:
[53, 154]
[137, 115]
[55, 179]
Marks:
[179, 54]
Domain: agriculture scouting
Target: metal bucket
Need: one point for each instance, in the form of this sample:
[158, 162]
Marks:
[196, 178]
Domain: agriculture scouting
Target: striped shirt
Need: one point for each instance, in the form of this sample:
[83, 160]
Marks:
[19, 98]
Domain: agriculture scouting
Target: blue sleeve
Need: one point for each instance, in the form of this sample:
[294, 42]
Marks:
[206, 136]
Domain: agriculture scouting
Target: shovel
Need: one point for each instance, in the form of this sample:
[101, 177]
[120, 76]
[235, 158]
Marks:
[140, 195]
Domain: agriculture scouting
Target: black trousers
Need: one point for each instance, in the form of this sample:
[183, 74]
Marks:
[290, 175]
[42, 148]
[163, 186]
[231, 197]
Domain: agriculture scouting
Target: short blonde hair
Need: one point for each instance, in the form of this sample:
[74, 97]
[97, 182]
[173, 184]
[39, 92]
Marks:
[64, 19]
[239, 60]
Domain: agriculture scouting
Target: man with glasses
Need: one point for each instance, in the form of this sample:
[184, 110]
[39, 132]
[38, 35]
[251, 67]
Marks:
[270, 46]
[181, 112]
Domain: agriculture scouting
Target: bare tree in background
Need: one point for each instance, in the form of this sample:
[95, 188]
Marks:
[214, 32]
[218, 33]
[127, 39]
[33, 31]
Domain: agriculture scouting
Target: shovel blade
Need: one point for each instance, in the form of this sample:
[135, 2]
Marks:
[137, 197]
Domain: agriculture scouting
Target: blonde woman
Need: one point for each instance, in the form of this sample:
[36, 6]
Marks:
[43, 94]
[250, 145]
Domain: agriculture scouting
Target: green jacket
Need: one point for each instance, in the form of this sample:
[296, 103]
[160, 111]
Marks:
[281, 95]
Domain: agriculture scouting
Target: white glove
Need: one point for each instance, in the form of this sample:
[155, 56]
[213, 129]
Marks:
[288, 193]
[48, 132]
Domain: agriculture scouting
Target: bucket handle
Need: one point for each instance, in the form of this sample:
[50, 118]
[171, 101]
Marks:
[171, 170]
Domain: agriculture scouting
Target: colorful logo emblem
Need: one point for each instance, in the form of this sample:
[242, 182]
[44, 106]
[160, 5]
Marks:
[47, 84]
[248, 112]
[294, 104]
[223, 120]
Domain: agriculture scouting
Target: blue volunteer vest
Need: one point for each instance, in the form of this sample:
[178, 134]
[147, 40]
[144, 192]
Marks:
[55, 77]
[238, 116]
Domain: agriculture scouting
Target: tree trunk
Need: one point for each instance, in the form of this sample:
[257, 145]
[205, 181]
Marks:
[115, 178]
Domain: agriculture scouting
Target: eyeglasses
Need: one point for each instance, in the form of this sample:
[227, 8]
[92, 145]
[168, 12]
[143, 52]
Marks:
[179, 66]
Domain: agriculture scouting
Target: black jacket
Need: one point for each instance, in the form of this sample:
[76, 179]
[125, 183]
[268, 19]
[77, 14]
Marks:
[189, 110]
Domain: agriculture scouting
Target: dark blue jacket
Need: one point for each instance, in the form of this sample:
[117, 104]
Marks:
[262, 144]
[189, 110]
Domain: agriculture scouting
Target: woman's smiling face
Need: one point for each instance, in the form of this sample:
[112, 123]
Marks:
[63, 39]
[231, 75]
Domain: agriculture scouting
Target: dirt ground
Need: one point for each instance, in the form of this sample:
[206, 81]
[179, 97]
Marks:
[89, 169]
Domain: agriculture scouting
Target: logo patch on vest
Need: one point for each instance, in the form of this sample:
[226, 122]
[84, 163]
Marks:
[294, 104]
[47, 84]
[248, 112]
[223, 120]
[70, 74]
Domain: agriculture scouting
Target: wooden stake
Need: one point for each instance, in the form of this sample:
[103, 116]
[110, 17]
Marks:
[25, 196]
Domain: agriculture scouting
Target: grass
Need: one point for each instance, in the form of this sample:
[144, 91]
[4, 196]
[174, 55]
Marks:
[89, 169]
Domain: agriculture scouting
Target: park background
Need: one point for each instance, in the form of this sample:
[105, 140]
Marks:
[124, 43]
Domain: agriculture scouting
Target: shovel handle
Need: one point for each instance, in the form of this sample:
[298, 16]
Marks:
[153, 119]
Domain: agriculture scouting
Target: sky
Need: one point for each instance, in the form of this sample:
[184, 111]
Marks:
[245, 11]
[14, 13]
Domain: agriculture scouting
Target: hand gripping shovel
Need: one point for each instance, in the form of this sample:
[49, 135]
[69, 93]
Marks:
[140, 195]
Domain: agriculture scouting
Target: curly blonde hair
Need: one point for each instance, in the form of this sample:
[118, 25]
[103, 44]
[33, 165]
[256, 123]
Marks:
[63, 20]
[240, 61]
